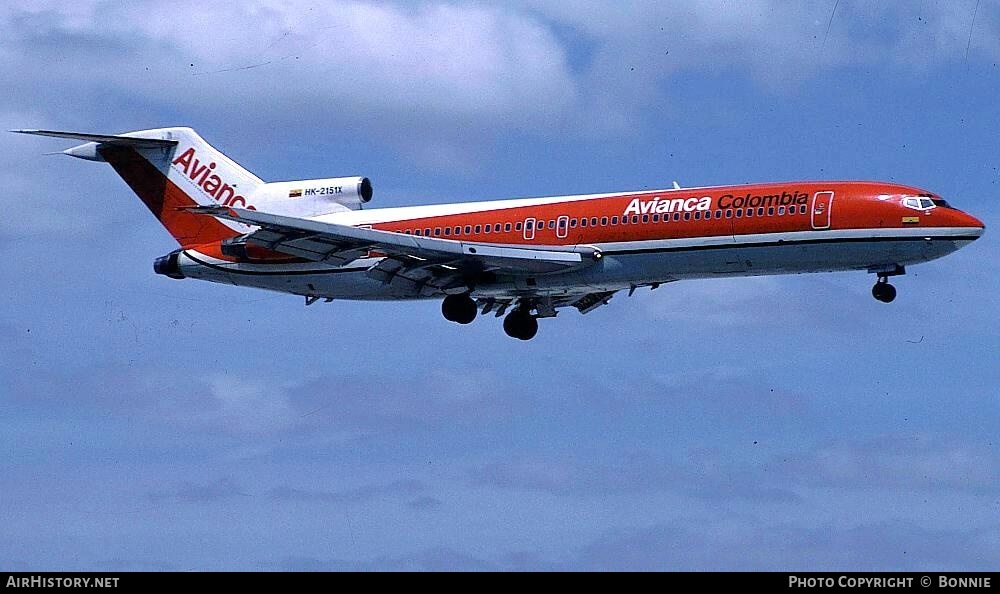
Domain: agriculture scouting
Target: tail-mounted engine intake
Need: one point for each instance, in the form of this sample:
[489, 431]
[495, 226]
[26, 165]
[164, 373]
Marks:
[313, 197]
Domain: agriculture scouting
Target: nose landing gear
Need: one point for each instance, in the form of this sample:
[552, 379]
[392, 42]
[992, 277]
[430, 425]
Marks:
[883, 291]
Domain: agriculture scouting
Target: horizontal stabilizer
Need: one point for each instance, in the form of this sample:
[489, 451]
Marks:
[103, 138]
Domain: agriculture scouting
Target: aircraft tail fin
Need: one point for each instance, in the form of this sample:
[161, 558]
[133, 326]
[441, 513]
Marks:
[171, 170]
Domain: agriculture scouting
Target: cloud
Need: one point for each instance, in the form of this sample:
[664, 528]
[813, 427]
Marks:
[441, 83]
[425, 503]
[38, 203]
[740, 544]
[704, 475]
[639, 55]
[432, 559]
[360, 494]
[899, 462]
[896, 462]
[720, 544]
[423, 78]
[427, 398]
[220, 490]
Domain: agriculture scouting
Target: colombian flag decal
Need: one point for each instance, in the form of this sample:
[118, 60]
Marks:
[911, 220]
[296, 193]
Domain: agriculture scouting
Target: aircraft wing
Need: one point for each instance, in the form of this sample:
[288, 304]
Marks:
[444, 264]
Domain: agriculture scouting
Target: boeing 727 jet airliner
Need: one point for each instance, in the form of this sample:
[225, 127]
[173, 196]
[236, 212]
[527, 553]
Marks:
[524, 258]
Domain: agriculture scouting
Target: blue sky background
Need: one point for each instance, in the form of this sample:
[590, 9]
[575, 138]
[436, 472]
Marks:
[770, 423]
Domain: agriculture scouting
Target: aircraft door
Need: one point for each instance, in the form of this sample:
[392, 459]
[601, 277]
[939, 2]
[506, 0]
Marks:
[529, 228]
[562, 227]
[822, 205]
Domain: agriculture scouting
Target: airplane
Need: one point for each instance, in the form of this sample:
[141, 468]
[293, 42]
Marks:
[521, 259]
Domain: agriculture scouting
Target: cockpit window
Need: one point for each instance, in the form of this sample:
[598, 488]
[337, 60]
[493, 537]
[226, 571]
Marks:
[941, 202]
[919, 202]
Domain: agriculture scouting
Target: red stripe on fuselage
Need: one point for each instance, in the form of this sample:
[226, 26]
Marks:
[164, 199]
[855, 205]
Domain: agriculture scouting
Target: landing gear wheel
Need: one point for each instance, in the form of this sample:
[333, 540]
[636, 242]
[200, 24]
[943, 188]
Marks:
[883, 291]
[459, 308]
[520, 324]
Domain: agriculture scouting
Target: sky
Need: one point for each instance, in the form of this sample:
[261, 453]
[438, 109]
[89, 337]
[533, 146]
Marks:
[773, 423]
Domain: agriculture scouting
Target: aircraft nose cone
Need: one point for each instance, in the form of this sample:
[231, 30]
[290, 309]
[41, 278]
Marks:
[976, 227]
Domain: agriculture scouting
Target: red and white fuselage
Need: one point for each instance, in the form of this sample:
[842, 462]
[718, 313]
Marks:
[660, 236]
[526, 256]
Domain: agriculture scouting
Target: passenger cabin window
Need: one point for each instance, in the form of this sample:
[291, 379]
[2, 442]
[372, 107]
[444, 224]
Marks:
[583, 222]
[614, 220]
[479, 228]
[496, 228]
[604, 221]
[506, 226]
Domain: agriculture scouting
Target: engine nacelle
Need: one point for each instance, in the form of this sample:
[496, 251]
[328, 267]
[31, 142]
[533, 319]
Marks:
[312, 197]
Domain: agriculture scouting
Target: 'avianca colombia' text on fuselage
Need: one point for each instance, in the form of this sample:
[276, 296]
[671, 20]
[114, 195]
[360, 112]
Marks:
[525, 258]
[644, 239]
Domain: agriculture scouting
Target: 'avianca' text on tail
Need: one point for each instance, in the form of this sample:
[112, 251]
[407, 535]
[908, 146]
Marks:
[525, 258]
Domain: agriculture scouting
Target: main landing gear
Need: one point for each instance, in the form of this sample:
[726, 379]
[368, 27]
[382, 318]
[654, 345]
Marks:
[883, 291]
[459, 308]
[519, 323]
